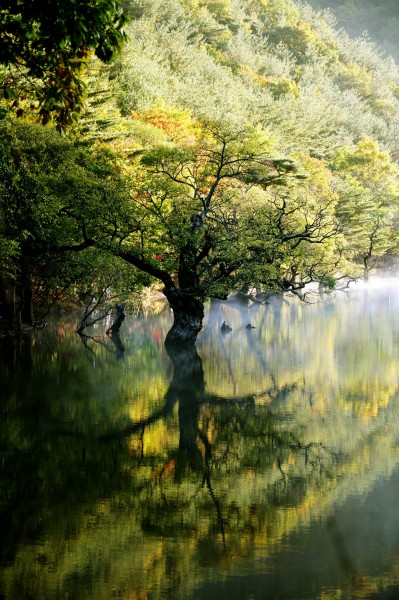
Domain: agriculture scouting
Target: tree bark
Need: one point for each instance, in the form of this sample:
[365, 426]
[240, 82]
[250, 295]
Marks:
[120, 317]
[26, 300]
[188, 313]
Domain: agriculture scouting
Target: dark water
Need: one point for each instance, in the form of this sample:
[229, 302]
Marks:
[265, 465]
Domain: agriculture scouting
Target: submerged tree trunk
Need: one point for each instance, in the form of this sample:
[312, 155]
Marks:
[188, 313]
[26, 301]
[120, 317]
[366, 267]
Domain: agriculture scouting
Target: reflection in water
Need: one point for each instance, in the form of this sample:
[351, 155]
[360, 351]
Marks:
[263, 464]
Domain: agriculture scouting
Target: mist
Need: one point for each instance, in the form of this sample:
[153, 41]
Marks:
[377, 19]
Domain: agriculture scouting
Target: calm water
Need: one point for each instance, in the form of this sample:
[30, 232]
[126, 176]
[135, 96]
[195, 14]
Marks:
[264, 466]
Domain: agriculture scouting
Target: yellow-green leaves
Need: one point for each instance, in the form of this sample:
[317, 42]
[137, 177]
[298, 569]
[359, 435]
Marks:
[368, 185]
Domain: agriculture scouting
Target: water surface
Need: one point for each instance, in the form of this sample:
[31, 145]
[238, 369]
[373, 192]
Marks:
[265, 465]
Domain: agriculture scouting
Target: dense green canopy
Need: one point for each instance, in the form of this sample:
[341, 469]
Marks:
[45, 44]
[244, 146]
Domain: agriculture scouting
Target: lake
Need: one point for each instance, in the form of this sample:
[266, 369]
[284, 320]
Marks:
[265, 464]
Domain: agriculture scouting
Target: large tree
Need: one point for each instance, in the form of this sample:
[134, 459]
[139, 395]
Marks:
[217, 214]
[368, 209]
[214, 213]
[44, 257]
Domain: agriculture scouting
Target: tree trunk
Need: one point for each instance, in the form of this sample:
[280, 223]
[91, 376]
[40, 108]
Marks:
[16, 305]
[27, 315]
[7, 303]
[120, 317]
[25, 289]
[366, 267]
[13, 306]
[188, 312]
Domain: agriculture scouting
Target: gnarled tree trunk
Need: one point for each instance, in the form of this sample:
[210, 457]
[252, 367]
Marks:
[116, 325]
[188, 312]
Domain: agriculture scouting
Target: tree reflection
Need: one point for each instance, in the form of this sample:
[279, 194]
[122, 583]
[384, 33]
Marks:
[188, 387]
[156, 474]
[222, 438]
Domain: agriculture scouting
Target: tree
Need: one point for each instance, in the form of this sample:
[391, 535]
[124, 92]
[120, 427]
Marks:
[368, 183]
[378, 18]
[215, 213]
[205, 218]
[44, 47]
[43, 179]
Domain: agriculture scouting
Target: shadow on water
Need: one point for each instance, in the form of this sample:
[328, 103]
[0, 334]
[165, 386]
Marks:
[130, 471]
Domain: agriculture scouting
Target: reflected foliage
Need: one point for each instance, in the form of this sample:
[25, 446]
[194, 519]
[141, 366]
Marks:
[153, 475]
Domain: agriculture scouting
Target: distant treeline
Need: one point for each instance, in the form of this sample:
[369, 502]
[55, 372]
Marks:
[379, 18]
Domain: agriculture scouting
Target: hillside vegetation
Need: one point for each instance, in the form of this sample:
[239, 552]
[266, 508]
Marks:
[230, 146]
[380, 19]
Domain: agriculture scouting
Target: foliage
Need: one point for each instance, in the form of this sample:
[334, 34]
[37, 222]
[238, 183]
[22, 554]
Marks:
[45, 178]
[231, 146]
[272, 88]
[44, 48]
[211, 212]
[379, 18]
[369, 205]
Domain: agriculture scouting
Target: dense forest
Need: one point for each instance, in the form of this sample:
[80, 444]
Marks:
[198, 146]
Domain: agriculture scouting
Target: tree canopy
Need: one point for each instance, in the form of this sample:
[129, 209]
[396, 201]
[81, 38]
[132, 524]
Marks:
[228, 147]
[44, 47]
